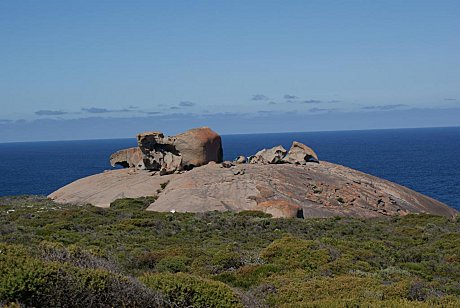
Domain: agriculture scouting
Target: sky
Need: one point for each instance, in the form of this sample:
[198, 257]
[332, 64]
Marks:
[110, 69]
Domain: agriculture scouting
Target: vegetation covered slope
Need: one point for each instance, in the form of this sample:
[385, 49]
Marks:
[63, 255]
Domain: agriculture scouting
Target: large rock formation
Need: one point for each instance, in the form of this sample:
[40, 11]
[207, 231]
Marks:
[195, 147]
[284, 184]
[283, 190]
[159, 153]
[319, 190]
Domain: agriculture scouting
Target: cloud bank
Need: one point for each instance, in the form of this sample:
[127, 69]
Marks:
[187, 104]
[266, 121]
[384, 107]
[260, 97]
[50, 112]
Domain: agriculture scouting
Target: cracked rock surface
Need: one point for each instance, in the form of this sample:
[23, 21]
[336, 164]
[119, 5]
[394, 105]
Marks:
[283, 190]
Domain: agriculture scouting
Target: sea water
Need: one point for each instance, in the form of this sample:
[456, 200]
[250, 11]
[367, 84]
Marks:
[426, 160]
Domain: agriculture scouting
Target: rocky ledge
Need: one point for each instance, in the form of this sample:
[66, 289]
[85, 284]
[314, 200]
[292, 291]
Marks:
[187, 174]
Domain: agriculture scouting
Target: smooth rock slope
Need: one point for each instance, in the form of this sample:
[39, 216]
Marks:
[284, 190]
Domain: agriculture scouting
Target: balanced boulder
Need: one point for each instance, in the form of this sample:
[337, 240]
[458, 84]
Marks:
[198, 147]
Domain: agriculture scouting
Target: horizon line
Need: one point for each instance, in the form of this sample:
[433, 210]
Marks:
[250, 133]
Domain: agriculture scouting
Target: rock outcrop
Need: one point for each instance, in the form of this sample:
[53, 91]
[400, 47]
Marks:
[282, 183]
[298, 154]
[193, 148]
[159, 153]
[319, 190]
[103, 188]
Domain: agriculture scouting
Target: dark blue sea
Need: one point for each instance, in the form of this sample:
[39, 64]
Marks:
[426, 160]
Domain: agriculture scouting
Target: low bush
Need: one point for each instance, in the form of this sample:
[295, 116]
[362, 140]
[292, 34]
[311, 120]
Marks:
[173, 264]
[33, 282]
[248, 276]
[133, 203]
[191, 291]
[290, 252]
[89, 254]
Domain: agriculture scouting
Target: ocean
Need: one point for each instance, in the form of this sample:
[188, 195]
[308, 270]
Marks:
[425, 159]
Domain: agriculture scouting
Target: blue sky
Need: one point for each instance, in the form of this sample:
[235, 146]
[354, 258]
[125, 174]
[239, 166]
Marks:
[108, 69]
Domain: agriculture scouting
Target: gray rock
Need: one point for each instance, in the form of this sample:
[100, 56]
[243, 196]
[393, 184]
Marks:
[227, 164]
[238, 172]
[127, 158]
[274, 155]
[300, 154]
[240, 160]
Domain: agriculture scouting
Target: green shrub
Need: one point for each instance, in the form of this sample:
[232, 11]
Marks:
[291, 252]
[248, 275]
[254, 214]
[163, 185]
[225, 259]
[173, 264]
[191, 291]
[33, 282]
[133, 203]
[295, 291]
[75, 255]
[408, 260]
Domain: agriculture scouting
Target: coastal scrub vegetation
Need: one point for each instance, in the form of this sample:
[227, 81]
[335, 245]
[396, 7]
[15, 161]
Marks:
[67, 255]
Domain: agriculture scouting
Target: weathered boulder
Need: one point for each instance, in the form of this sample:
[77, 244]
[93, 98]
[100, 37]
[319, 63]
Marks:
[300, 154]
[198, 147]
[127, 158]
[274, 155]
[195, 147]
[158, 152]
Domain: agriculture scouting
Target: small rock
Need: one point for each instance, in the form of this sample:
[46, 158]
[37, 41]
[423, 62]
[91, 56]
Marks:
[240, 160]
[227, 164]
[238, 172]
